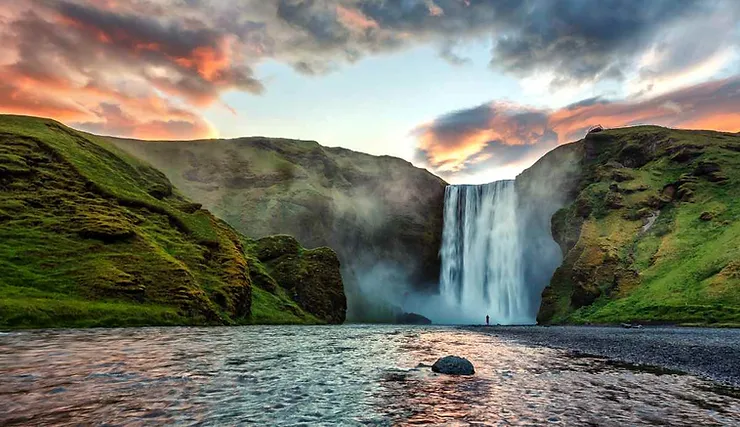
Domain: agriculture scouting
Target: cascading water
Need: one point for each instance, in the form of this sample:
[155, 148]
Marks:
[482, 256]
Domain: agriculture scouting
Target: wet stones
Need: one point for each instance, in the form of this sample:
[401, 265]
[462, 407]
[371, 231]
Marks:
[453, 365]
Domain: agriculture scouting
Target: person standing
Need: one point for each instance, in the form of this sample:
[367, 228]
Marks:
[486, 320]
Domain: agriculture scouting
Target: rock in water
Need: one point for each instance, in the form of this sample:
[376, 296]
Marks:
[453, 365]
[412, 319]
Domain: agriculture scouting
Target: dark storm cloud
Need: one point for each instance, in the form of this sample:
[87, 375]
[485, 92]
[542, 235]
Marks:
[176, 56]
[317, 19]
[576, 40]
[582, 40]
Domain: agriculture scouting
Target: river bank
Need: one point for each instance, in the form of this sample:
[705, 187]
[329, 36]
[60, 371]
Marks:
[707, 352]
[333, 375]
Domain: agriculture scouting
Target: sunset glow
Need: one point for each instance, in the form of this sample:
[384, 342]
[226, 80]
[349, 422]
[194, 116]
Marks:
[489, 94]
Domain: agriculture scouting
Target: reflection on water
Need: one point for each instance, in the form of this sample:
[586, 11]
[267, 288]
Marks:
[363, 375]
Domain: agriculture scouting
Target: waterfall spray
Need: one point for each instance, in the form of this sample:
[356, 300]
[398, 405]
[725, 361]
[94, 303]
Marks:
[482, 256]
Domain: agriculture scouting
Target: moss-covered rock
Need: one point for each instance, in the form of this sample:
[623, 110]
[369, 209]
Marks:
[271, 247]
[652, 232]
[311, 278]
[104, 226]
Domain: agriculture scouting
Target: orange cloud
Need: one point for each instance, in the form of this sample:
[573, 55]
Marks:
[89, 106]
[498, 135]
[354, 19]
[155, 124]
[90, 66]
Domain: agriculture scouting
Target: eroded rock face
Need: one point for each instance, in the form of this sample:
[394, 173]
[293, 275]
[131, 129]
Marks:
[381, 215]
[311, 277]
[623, 229]
[453, 365]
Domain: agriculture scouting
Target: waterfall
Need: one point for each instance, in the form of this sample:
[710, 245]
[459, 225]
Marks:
[482, 255]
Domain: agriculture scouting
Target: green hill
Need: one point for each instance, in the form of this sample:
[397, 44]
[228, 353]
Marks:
[90, 236]
[652, 233]
[381, 214]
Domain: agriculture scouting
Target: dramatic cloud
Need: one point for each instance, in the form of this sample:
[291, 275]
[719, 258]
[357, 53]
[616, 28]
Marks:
[466, 143]
[112, 73]
[575, 41]
[489, 135]
[73, 59]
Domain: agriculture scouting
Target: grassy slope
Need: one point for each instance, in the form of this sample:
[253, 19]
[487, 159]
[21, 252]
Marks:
[686, 267]
[90, 236]
[323, 196]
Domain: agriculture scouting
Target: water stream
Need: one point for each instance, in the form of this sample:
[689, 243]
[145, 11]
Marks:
[329, 375]
[482, 255]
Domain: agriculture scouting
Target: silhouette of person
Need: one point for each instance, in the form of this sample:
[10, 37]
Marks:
[486, 320]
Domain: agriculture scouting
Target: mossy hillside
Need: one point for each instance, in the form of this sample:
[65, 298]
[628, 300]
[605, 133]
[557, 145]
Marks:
[349, 201]
[653, 233]
[84, 222]
[90, 236]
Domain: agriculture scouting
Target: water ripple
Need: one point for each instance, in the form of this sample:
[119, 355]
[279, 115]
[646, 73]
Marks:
[351, 375]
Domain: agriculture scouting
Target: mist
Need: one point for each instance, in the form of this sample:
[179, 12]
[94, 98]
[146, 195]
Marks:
[382, 216]
[498, 253]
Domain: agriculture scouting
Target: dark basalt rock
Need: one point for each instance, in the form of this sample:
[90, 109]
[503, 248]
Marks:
[706, 168]
[412, 319]
[685, 154]
[706, 216]
[453, 365]
[711, 171]
[621, 175]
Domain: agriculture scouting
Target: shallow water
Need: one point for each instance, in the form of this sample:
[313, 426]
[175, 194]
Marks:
[329, 375]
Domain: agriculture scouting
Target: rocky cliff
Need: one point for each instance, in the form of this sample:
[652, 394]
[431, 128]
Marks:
[382, 215]
[90, 236]
[542, 190]
[650, 231]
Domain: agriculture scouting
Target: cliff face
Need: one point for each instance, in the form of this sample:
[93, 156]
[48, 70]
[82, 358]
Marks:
[652, 232]
[381, 215]
[542, 190]
[90, 236]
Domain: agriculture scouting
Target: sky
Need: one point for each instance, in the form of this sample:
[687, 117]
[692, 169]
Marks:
[473, 90]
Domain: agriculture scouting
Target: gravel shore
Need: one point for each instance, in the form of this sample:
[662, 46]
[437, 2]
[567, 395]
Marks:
[706, 352]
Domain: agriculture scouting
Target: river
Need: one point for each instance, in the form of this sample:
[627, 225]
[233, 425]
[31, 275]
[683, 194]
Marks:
[331, 375]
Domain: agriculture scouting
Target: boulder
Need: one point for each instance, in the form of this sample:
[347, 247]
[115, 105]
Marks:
[706, 168]
[312, 277]
[412, 319]
[706, 216]
[453, 365]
